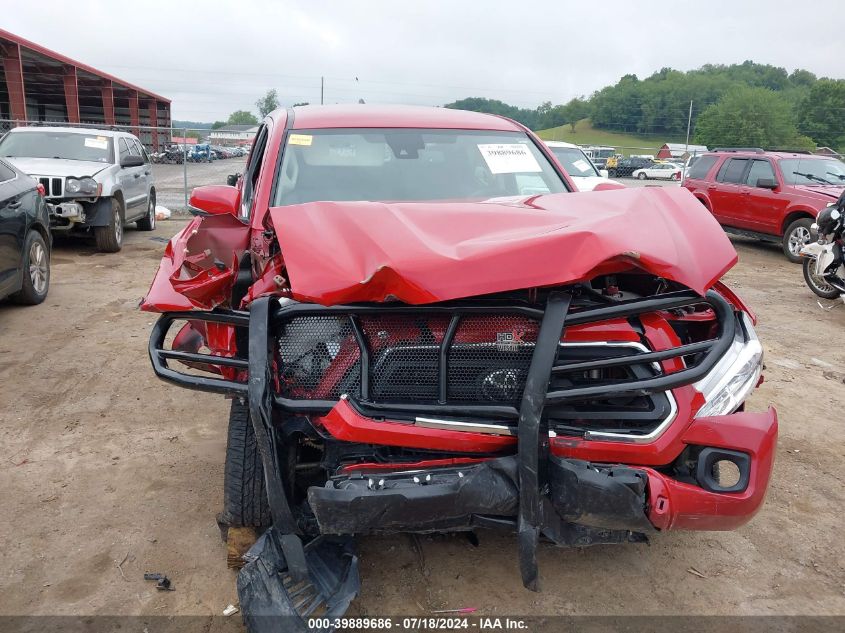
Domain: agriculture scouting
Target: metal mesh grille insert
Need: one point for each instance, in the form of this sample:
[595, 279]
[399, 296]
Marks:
[405, 350]
[320, 358]
[489, 358]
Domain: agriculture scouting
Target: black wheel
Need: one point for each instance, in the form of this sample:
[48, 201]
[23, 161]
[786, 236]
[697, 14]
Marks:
[148, 222]
[795, 237]
[244, 493]
[110, 238]
[36, 271]
[641, 175]
[816, 283]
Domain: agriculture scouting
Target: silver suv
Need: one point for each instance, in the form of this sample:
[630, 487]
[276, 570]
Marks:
[94, 180]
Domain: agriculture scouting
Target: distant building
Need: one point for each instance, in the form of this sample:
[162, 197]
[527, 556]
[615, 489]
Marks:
[827, 151]
[680, 150]
[233, 135]
[39, 85]
[181, 140]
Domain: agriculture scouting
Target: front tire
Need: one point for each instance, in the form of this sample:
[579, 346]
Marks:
[110, 238]
[817, 284]
[641, 175]
[795, 237]
[148, 222]
[36, 271]
[244, 491]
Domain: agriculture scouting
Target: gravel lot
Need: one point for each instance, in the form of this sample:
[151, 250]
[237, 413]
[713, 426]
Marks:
[170, 179]
[108, 473]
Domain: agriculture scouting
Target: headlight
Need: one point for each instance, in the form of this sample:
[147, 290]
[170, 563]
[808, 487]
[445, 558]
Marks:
[72, 185]
[733, 378]
[86, 186]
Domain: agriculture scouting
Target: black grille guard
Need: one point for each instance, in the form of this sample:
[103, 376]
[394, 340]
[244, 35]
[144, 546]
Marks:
[254, 331]
[704, 354]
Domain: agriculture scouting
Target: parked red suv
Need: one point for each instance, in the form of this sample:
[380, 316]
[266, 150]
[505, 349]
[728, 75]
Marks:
[773, 196]
[424, 328]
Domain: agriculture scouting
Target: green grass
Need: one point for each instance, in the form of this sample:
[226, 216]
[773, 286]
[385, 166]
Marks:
[585, 134]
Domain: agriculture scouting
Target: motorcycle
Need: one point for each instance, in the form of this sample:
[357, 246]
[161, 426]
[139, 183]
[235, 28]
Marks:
[824, 265]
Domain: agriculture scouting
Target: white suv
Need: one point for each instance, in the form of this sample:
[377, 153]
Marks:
[94, 180]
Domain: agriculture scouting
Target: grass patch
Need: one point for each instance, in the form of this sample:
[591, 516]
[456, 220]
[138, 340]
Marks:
[586, 134]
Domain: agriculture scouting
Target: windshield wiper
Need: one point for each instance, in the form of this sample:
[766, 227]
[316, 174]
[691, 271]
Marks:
[813, 177]
[840, 176]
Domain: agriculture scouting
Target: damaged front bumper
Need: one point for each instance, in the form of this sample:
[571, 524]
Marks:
[570, 491]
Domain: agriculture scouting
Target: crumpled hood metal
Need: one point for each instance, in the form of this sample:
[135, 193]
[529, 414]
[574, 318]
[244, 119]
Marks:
[423, 252]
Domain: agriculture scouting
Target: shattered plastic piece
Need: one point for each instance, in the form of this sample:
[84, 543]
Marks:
[230, 610]
[272, 601]
[162, 582]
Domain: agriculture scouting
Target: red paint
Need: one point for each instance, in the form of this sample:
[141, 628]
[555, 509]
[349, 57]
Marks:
[681, 506]
[389, 116]
[188, 277]
[71, 94]
[404, 466]
[107, 91]
[434, 251]
[46, 52]
[344, 423]
[216, 199]
[745, 206]
[13, 70]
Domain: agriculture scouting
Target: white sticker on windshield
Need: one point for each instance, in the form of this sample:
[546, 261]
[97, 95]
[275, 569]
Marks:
[97, 143]
[509, 158]
[581, 164]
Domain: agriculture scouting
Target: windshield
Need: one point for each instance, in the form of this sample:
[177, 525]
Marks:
[813, 171]
[411, 164]
[66, 145]
[574, 161]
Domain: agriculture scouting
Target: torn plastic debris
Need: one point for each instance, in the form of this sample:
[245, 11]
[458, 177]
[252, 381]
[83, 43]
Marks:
[162, 213]
[272, 601]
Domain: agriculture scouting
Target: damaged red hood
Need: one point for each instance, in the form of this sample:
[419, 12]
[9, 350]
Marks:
[421, 252]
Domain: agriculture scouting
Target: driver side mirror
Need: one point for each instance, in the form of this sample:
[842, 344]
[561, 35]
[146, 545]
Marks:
[132, 160]
[215, 200]
[767, 183]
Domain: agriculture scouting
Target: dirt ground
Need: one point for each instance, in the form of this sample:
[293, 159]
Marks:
[108, 473]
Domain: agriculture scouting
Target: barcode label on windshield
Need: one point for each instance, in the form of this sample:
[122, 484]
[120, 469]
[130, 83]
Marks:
[509, 158]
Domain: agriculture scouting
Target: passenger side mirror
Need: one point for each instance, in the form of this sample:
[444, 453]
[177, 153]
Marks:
[767, 183]
[131, 161]
[215, 200]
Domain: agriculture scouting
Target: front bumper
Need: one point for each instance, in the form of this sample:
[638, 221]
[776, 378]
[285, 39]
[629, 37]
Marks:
[600, 494]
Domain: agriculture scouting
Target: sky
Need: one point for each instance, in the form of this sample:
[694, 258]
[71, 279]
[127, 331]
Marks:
[211, 58]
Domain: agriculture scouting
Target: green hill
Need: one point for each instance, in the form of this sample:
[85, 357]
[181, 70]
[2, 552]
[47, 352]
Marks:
[586, 134]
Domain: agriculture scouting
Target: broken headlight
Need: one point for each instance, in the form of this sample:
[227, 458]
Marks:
[736, 374]
[85, 186]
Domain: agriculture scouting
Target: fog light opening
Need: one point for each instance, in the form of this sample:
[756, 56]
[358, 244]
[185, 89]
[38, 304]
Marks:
[725, 473]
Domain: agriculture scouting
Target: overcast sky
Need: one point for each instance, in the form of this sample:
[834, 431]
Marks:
[214, 57]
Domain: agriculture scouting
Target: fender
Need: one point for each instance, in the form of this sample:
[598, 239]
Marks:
[100, 212]
[822, 253]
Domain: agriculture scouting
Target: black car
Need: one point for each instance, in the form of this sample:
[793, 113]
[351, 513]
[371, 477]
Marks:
[25, 241]
[627, 166]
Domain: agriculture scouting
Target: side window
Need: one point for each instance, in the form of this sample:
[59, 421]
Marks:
[124, 148]
[253, 167]
[702, 167]
[134, 148]
[6, 173]
[732, 170]
[759, 169]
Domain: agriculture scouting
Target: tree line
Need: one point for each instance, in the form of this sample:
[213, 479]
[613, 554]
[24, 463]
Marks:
[740, 104]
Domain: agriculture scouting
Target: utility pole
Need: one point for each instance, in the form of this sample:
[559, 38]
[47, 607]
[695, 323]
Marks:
[322, 88]
[689, 123]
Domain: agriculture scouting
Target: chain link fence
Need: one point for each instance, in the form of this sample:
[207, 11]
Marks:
[180, 158]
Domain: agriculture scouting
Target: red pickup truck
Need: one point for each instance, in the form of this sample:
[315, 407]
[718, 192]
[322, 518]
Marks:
[773, 196]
